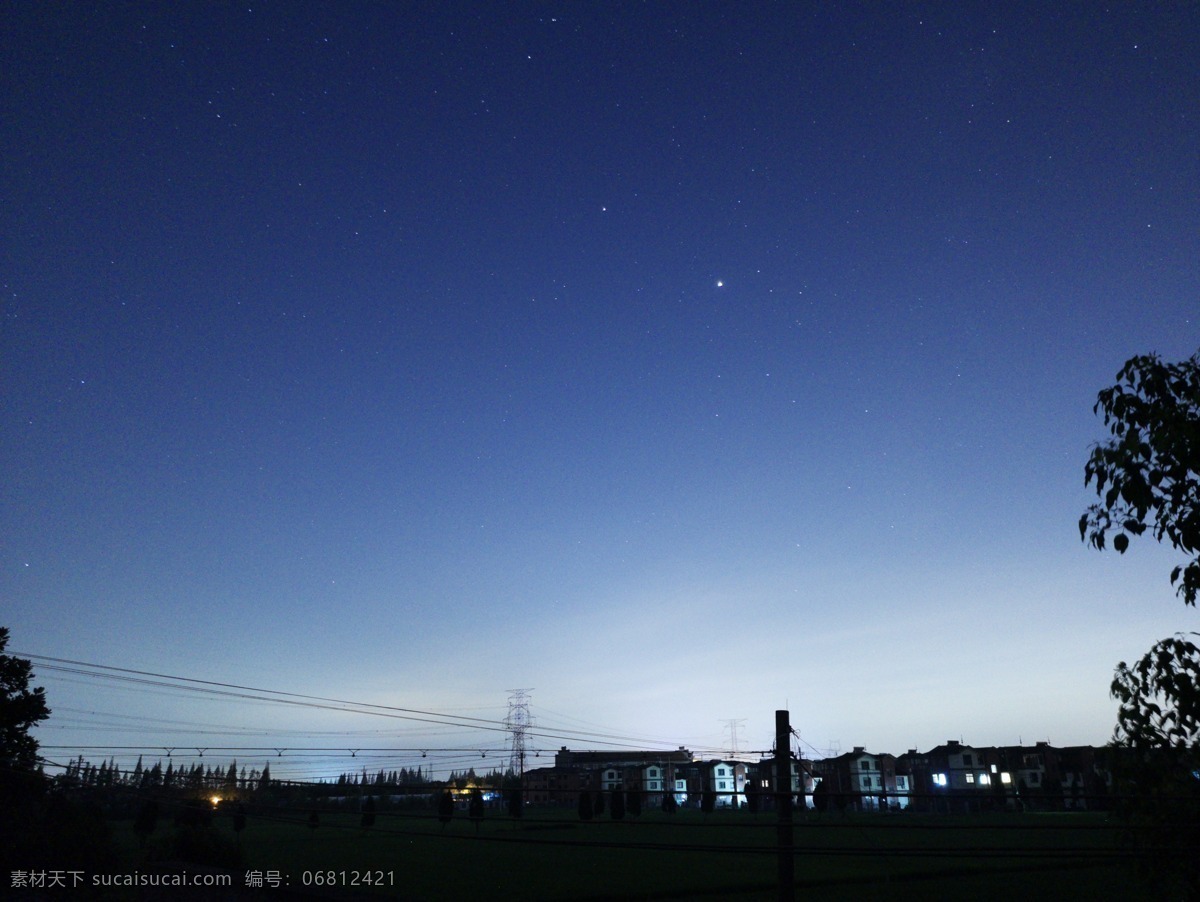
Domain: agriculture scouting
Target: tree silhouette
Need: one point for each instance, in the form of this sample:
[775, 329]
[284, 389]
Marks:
[616, 805]
[821, 793]
[1148, 473]
[585, 805]
[515, 802]
[753, 795]
[475, 807]
[633, 802]
[445, 808]
[21, 708]
[1147, 476]
[669, 803]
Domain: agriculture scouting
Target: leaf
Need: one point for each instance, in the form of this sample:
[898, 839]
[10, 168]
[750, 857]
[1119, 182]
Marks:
[1121, 542]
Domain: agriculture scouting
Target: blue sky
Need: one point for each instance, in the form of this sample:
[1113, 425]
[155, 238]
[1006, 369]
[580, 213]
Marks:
[676, 362]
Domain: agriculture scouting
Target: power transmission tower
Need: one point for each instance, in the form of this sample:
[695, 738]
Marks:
[732, 726]
[518, 723]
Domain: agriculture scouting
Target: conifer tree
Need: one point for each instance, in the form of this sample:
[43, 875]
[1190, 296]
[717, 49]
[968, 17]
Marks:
[21, 709]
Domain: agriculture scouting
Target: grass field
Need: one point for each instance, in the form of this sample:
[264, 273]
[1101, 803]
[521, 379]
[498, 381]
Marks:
[550, 854]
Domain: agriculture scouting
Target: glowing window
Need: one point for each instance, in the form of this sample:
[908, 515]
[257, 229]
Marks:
[985, 780]
[970, 778]
[1006, 778]
[939, 779]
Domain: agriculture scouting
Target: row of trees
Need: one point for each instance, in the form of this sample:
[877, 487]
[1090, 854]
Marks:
[83, 774]
[406, 778]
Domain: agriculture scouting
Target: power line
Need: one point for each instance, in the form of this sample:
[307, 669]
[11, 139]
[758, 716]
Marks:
[233, 690]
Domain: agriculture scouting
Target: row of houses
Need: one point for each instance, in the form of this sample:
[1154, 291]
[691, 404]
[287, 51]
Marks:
[951, 776]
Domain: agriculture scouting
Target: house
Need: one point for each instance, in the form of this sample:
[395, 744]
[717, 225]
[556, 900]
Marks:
[649, 772]
[957, 777]
[728, 780]
[951, 777]
[557, 786]
[864, 780]
[801, 774]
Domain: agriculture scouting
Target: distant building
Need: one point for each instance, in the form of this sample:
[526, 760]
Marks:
[865, 781]
[949, 777]
[801, 775]
[652, 773]
[557, 786]
[564, 757]
[957, 777]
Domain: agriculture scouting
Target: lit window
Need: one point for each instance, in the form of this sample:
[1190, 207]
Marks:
[939, 779]
[970, 778]
[985, 780]
[1006, 778]
[993, 768]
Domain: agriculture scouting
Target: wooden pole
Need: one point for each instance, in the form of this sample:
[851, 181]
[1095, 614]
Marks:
[783, 796]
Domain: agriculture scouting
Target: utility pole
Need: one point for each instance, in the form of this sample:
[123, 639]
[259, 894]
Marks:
[783, 798]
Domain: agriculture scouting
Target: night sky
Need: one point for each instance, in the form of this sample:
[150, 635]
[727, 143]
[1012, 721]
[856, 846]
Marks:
[677, 362]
